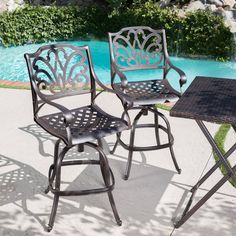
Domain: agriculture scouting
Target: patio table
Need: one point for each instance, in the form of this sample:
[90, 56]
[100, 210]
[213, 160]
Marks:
[212, 100]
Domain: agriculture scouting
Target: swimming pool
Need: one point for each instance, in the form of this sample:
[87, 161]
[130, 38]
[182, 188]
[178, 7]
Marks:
[13, 66]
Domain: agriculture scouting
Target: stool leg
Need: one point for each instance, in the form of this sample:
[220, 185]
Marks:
[80, 148]
[131, 143]
[114, 209]
[174, 160]
[51, 172]
[107, 179]
[130, 155]
[171, 149]
[170, 140]
[116, 143]
[57, 171]
[156, 126]
[100, 157]
[117, 136]
[53, 212]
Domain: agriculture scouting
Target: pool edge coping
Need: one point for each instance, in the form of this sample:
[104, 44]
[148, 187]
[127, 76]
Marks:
[14, 84]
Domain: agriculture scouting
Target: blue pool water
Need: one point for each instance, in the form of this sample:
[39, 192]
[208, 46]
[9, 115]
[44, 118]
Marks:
[13, 67]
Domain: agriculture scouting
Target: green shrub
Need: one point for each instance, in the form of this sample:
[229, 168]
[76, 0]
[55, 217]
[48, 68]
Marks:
[112, 4]
[149, 14]
[36, 24]
[95, 21]
[152, 15]
[206, 34]
[200, 33]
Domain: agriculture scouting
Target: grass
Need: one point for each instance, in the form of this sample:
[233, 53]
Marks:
[163, 107]
[14, 87]
[219, 138]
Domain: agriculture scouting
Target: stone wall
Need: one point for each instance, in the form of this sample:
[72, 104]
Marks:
[224, 8]
[11, 5]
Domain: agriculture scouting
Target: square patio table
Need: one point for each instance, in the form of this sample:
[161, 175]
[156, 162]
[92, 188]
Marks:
[212, 100]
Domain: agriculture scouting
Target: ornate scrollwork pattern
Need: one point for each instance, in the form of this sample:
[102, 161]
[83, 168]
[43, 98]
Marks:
[137, 47]
[60, 70]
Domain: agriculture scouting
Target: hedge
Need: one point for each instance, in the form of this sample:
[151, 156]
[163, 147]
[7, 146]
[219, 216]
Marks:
[36, 24]
[205, 34]
[42, 24]
[199, 33]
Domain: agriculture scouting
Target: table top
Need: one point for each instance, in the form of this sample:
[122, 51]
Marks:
[208, 99]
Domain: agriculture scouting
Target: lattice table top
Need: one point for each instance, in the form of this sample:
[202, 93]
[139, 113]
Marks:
[208, 99]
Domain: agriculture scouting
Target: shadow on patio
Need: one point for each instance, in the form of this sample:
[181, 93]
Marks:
[146, 202]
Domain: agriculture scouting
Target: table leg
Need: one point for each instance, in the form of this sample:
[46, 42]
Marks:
[187, 213]
[215, 148]
[218, 163]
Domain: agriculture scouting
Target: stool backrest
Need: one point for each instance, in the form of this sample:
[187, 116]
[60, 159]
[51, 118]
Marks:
[60, 70]
[139, 47]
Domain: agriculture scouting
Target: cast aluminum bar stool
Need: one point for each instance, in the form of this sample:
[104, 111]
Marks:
[143, 49]
[213, 100]
[58, 71]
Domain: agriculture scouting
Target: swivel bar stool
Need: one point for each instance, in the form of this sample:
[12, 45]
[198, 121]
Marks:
[58, 71]
[143, 49]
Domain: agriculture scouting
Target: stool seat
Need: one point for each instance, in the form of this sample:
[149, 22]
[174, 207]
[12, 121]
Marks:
[89, 123]
[148, 92]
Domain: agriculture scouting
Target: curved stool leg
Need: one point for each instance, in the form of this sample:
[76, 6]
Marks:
[170, 141]
[57, 171]
[53, 212]
[117, 137]
[174, 160]
[113, 206]
[116, 143]
[100, 156]
[52, 172]
[131, 144]
[107, 179]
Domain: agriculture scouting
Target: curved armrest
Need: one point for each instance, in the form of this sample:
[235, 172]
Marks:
[123, 97]
[121, 75]
[68, 117]
[182, 75]
[119, 93]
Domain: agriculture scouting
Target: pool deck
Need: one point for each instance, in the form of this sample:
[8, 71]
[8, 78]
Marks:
[147, 202]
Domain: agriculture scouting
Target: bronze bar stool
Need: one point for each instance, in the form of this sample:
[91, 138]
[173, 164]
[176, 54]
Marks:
[58, 71]
[143, 49]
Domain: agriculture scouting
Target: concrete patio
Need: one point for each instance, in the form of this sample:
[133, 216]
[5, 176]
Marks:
[147, 202]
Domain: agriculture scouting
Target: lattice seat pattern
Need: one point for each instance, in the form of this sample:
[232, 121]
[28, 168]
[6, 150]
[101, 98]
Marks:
[147, 92]
[89, 123]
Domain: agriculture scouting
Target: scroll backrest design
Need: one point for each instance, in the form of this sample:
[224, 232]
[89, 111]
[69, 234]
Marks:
[140, 47]
[60, 70]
